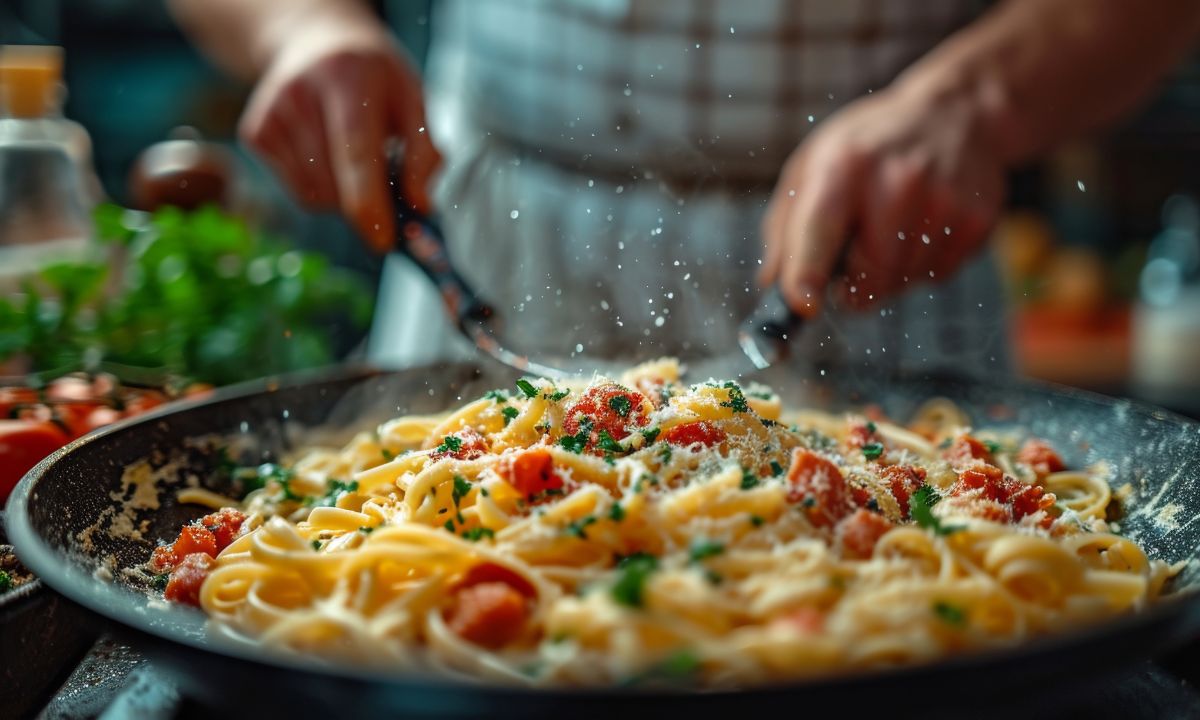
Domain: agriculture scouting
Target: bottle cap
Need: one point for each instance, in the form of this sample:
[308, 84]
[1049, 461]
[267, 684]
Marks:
[30, 77]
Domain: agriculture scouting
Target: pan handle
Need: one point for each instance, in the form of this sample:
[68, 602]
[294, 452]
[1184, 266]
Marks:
[420, 238]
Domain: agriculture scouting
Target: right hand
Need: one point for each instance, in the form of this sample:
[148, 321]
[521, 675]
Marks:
[333, 92]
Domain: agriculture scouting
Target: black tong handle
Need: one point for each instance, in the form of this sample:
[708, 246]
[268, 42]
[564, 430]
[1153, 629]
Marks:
[774, 319]
[421, 240]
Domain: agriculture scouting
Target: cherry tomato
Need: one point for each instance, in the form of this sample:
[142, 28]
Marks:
[610, 408]
[23, 444]
[702, 433]
[470, 445]
[490, 614]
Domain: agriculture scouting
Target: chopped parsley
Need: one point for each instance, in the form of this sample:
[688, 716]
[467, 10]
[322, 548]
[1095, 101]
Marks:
[367, 529]
[665, 452]
[776, 468]
[388, 455]
[477, 534]
[461, 488]
[620, 404]
[871, 427]
[557, 395]
[449, 525]
[757, 520]
[606, 442]
[920, 510]
[872, 450]
[500, 396]
[268, 472]
[316, 544]
[333, 490]
[679, 665]
[577, 442]
[510, 413]
[643, 481]
[527, 388]
[992, 446]
[768, 422]
[952, 615]
[760, 394]
[633, 572]
[749, 479]
[578, 528]
[737, 400]
[702, 548]
[159, 582]
[450, 444]
[616, 512]
[651, 435]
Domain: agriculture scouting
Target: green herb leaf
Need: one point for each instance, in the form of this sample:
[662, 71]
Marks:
[871, 427]
[664, 453]
[449, 525]
[461, 488]
[749, 479]
[651, 435]
[579, 527]
[367, 529]
[737, 400]
[606, 442]
[527, 388]
[616, 512]
[316, 544]
[557, 395]
[632, 574]
[702, 548]
[450, 444]
[920, 510]
[388, 455]
[620, 404]
[952, 615]
[499, 396]
[159, 582]
[872, 450]
[478, 533]
[510, 413]
[776, 468]
[992, 446]
[757, 520]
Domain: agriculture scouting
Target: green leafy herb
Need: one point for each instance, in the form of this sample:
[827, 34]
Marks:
[632, 574]
[478, 533]
[461, 488]
[388, 455]
[578, 528]
[557, 395]
[316, 544]
[510, 413]
[757, 520]
[620, 404]
[616, 512]
[527, 388]
[737, 400]
[499, 396]
[367, 529]
[952, 615]
[871, 427]
[680, 665]
[450, 444]
[920, 510]
[702, 548]
[651, 435]
[992, 446]
[158, 582]
[577, 442]
[606, 442]
[749, 479]
[768, 422]
[872, 450]
[776, 468]
[449, 525]
[665, 452]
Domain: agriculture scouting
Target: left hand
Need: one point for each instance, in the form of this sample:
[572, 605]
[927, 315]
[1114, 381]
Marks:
[896, 188]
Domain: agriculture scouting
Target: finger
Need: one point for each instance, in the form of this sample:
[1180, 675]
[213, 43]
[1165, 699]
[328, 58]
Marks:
[815, 232]
[308, 136]
[268, 139]
[421, 157]
[771, 228]
[876, 255]
[355, 138]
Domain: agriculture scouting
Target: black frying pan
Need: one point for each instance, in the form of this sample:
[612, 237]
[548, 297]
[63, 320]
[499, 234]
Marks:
[1159, 453]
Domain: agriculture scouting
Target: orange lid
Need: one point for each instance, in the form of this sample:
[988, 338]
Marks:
[30, 76]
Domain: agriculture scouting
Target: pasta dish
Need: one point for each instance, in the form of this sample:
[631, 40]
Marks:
[646, 530]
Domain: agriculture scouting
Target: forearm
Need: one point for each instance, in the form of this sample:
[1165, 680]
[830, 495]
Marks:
[242, 36]
[1040, 71]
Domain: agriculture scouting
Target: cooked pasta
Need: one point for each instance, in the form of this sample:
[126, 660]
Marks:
[648, 530]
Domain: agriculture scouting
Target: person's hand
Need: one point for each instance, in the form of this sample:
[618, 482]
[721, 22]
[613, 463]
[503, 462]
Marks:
[335, 89]
[898, 187]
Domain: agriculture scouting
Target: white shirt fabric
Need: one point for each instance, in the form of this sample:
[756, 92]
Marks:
[608, 163]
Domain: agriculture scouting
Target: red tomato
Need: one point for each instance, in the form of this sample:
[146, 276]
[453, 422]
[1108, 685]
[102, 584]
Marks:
[819, 485]
[609, 407]
[490, 614]
[143, 401]
[902, 481]
[1039, 455]
[861, 434]
[225, 525]
[965, 450]
[488, 572]
[23, 443]
[194, 539]
[702, 433]
[470, 445]
[808, 620]
[187, 577]
[530, 471]
[859, 532]
[163, 559]
[13, 397]
[990, 483]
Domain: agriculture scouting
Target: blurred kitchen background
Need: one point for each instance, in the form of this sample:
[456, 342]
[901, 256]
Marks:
[1101, 246]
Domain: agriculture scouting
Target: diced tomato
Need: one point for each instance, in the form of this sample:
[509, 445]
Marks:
[13, 397]
[859, 532]
[902, 481]
[163, 559]
[693, 433]
[861, 434]
[143, 401]
[530, 471]
[808, 620]
[819, 485]
[490, 614]
[965, 450]
[470, 446]
[187, 577]
[225, 525]
[608, 407]
[979, 507]
[23, 444]
[990, 483]
[489, 572]
[195, 538]
[1039, 455]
